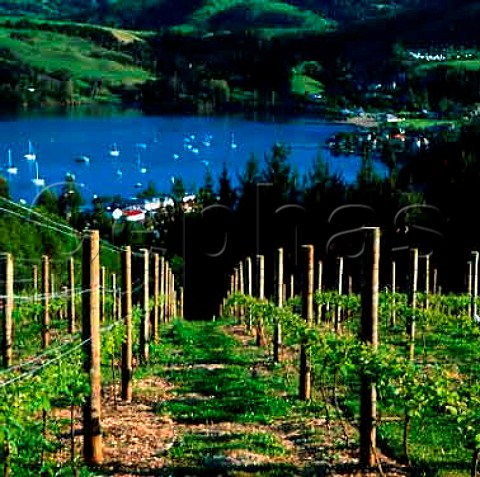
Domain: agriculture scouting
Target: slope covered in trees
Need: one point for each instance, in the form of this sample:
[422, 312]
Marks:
[199, 13]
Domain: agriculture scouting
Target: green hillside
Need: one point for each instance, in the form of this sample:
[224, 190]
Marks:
[207, 16]
[81, 59]
[166, 13]
[236, 15]
[66, 62]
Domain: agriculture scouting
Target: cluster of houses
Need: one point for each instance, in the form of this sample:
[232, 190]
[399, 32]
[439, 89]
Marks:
[426, 56]
[135, 210]
[377, 140]
[441, 56]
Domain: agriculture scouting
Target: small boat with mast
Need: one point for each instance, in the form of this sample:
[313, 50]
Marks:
[11, 169]
[38, 181]
[114, 151]
[233, 144]
[30, 156]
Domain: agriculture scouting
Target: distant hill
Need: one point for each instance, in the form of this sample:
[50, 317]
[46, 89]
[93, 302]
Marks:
[213, 15]
[346, 11]
[440, 25]
[96, 48]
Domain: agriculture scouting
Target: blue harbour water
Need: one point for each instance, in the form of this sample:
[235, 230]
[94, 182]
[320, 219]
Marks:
[153, 148]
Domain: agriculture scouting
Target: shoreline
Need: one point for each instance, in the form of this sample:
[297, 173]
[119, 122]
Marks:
[365, 122]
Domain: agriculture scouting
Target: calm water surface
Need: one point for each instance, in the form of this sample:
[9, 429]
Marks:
[153, 148]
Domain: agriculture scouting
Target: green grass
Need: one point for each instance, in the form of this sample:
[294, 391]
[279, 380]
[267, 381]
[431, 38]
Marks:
[434, 443]
[218, 379]
[120, 34]
[52, 52]
[196, 447]
[469, 65]
[229, 390]
[305, 85]
[187, 343]
[421, 123]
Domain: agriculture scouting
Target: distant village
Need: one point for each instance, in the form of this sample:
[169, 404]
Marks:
[442, 55]
[138, 210]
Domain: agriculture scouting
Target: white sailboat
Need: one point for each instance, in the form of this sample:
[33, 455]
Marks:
[114, 151]
[11, 169]
[207, 142]
[37, 180]
[140, 168]
[233, 144]
[30, 156]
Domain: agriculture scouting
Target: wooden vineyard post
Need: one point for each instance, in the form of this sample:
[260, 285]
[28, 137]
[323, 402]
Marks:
[469, 286]
[162, 290]
[145, 304]
[231, 288]
[115, 297]
[350, 293]
[393, 313]
[249, 288]
[338, 309]
[319, 290]
[92, 409]
[435, 281]
[412, 302]
[305, 388]
[71, 300]
[369, 336]
[427, 280]
[127, 347]
[292, 285]
[156, 296]
[236, 287]
[248, 278]
[241, 290]
[102, 288]
[475, 283]
[46, 294]
[261, 341]
[119, 303]
[166, 304]
[35, 283]
[52, 284]
[261, 277]
[277, 336]
[175, 302]
[7, 322]
[172, 295]
[180, 302]
[169, 294]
